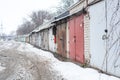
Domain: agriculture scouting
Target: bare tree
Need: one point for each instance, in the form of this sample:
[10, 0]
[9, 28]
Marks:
[39, 17]
[25, 28]
[64, 5]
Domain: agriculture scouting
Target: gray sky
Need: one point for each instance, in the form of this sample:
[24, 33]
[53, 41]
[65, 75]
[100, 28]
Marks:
[12, 12]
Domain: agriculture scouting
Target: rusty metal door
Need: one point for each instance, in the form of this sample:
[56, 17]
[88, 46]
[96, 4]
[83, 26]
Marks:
[61, 39]
[77, 38]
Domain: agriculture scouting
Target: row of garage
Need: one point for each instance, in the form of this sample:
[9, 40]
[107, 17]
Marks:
[85, 33]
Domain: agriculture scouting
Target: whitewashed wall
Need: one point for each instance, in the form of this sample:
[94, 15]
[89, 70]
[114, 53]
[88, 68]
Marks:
[67, 39]
[107, 61]
[52, 46]
[39, 39]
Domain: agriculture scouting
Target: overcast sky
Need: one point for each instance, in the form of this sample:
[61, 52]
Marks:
[12, 12]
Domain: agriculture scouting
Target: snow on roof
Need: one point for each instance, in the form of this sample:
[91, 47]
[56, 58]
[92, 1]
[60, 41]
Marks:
[44, 26]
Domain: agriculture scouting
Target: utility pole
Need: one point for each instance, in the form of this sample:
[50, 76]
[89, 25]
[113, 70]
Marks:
[1, 31]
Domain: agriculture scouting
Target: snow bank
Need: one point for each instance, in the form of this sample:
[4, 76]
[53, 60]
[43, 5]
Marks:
[29, 48]
[72, 71]
[68, 70]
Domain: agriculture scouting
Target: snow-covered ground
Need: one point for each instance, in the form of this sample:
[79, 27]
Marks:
[68, 70]
[1, 68]
[43, 65]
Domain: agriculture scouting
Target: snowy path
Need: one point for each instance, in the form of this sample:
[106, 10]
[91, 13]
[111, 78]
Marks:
[17, 66]
[23, 65]
[20, 61]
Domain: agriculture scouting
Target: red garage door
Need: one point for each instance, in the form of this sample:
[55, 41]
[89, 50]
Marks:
[72, 39]
[76, 37]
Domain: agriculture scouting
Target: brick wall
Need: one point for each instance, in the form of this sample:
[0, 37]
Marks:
[86, 38]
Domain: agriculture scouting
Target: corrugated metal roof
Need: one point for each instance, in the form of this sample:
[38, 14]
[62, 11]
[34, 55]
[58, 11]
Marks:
[74, 5]
[60, 18]
[66, 13]
[79, 12]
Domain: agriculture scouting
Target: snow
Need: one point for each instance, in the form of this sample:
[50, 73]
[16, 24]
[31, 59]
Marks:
[68, 70]
[29, 48]
[21, 74]
[1, 68]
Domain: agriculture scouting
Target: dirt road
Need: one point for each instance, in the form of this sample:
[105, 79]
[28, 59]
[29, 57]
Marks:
[23, 65]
